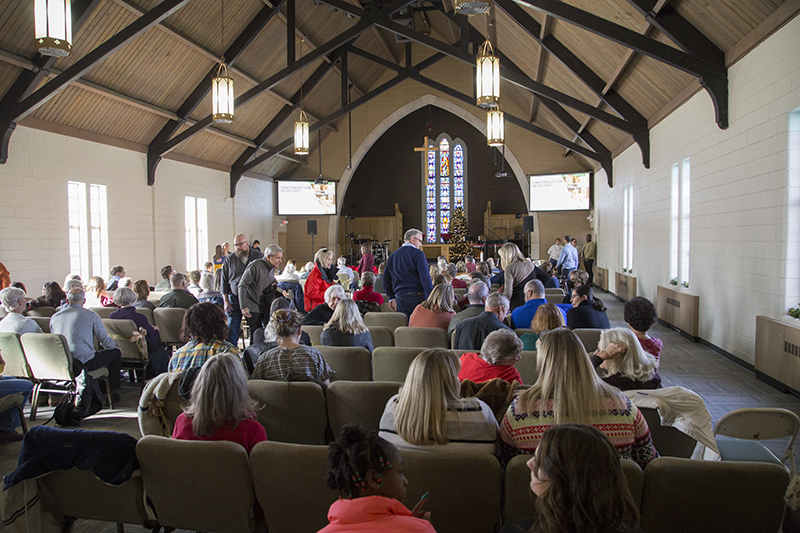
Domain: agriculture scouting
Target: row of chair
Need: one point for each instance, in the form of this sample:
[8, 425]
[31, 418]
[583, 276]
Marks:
[212, 486]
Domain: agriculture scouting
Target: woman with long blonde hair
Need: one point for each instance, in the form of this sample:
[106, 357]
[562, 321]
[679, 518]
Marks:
[622, 362]
[429, 409]
[322, 276]
[346, 327]
[220, 408]
[569, 390]
[518, 271]
[437, 310]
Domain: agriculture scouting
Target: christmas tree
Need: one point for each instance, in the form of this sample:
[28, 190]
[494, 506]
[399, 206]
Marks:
[459, 232]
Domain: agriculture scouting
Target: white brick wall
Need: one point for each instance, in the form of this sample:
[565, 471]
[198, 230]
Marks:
[744, 234]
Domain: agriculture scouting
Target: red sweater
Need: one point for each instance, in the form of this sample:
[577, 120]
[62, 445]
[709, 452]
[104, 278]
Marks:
[474, 368]
[248, 433]
[368, 293]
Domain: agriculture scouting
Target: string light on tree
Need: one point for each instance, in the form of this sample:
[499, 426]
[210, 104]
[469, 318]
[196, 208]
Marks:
[459, 232]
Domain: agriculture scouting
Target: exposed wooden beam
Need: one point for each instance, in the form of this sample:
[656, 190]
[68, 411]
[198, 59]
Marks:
[547, 25]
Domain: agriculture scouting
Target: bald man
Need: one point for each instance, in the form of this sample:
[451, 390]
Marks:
[232, 270]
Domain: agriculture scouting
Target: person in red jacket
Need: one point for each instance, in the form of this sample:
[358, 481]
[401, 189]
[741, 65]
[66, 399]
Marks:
[368, 292]
[499, 353]
[321, 277]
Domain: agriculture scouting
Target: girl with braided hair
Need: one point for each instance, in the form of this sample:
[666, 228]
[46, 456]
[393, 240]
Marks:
[368, 473]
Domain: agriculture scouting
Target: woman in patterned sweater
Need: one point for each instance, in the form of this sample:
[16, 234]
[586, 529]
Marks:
[569, 390]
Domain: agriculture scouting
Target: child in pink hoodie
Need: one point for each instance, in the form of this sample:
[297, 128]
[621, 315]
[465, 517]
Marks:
[368, 473]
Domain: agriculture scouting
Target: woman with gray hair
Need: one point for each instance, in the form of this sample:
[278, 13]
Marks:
[499, 353]
[320, 315]
[14, 301]
[124, 298]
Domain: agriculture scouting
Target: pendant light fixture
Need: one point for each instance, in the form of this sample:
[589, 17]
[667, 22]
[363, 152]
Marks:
[301, 136]
[487, 77]
[495, 129]
[472, 7]
[53, 27]
[222, 86]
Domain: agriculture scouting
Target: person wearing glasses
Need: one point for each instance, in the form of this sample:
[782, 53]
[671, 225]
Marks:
[406, 278]
[232, 271]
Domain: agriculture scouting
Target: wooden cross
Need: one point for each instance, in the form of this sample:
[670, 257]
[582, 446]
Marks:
[424, 148]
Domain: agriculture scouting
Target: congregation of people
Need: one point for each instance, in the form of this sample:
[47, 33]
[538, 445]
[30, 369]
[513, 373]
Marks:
[574, 413]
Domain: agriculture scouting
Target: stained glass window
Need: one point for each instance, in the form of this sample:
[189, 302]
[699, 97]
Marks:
[443, 194]
[430, 198]
[444, 158]
[458, 176]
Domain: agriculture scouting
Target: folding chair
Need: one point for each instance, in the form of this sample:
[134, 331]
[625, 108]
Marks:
[756, 424]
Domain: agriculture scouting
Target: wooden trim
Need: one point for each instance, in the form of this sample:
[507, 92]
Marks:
[767, 27]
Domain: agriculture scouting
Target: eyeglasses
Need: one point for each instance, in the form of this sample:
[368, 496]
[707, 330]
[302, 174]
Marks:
[239, 244]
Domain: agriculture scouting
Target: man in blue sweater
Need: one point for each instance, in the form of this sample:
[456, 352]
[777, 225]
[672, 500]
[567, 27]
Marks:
[407, 280]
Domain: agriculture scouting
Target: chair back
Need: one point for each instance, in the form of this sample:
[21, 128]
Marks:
[14, 356]
[289, 485]
[555, 290]
[314, 333]
[121, 332]
[386, 306]
[522, 331]
[407, 337]
[389, 319]
[758, 424]
[527, 368]
[148, 314]
[48, 356]
[290, 411]
[351, 363]
[475, 507]
[669, 441]
[459, 293]
[198, 485]
[80, 494]
[381, 336]
[103, 312]
[686, 495]
[43, 321]
[44, 311]
[554, 298]
[169, 321]
[589, 337]
[358, 402]
[391, 363]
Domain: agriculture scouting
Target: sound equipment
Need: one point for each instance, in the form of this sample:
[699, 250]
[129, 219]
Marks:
[527, 223]
[311, 227]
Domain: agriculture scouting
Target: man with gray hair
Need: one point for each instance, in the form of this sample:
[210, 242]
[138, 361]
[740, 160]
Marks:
[406, 279]
[471, 333]
[534, 292]
[258, 287]
[178, 296]
[82, 327]
[14, 301]
[476, 296]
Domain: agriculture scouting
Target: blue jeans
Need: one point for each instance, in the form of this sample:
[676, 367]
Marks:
[234, 320]
[9, 420]
[406, 303]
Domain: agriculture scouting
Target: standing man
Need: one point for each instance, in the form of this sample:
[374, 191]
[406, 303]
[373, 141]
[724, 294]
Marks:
[259, 276]
[589, 255]
[568, 259]
[232, 270]
[406, 280]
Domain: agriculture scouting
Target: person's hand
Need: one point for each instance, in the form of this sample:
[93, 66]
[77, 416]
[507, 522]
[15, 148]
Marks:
[246, 312]
[393, 305]
[425, 515]
[226, 306]
[612, 351]
[2, 363]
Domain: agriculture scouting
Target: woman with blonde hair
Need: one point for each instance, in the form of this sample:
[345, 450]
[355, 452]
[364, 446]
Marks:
[569, 390]
[622, 362]
[346, 327]
[429, 410]
[548, 316]
[322, 276]
[220, 408]
[518, 271]
[436, 311]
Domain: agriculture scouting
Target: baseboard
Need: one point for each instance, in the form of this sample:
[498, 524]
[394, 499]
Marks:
[727, 355]
[684, 334]
[775, 384]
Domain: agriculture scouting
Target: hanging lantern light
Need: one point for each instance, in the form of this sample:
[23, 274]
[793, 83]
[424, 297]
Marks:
[472, 7]
[487, 77]
[222, 95]
[53, 27]
[495, 130]
[301, 137]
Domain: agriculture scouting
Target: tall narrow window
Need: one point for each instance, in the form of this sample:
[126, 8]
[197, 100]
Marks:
[444, 171]
[685, 218]
[88, 229]
[627, 229]
[680, 223]
[196, 222]
[792, 248]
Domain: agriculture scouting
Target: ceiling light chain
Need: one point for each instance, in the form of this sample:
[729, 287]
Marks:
[301, 135]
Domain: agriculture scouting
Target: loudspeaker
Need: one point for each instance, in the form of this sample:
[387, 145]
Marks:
[527, 223]
[311, 226]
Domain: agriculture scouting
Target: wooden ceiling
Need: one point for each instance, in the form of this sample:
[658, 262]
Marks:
[591, 76]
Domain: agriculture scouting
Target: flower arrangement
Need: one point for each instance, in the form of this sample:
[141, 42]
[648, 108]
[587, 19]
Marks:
[794, 312]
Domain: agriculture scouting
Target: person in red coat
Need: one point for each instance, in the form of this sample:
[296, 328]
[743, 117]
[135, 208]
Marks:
[368, 292]
[367, 262]
[321, 277]
[499, 353]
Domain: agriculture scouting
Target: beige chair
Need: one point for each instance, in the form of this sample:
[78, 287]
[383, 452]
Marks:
[44, 311]
[750, 425]
[381, 336]
[198, 485]
[14, 356]
[669, 441]
[407, 337]
[43, 321]
[351, 363]
[554, 298]
[555, 291]
[103, 312]
[519, 500]
[290, 411]
[121, 331]
[522, 331]
[50, 362]
[314, 333]
[476, 503]
[459, 293]
[289, 485]
[358, 402]
[79, 494]
[527, 368]
[169, 321]
[386, 307]
[391, 364]
[14, 401]
[148, 314]
[712, 496]
[589, 337]
[389, 319]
